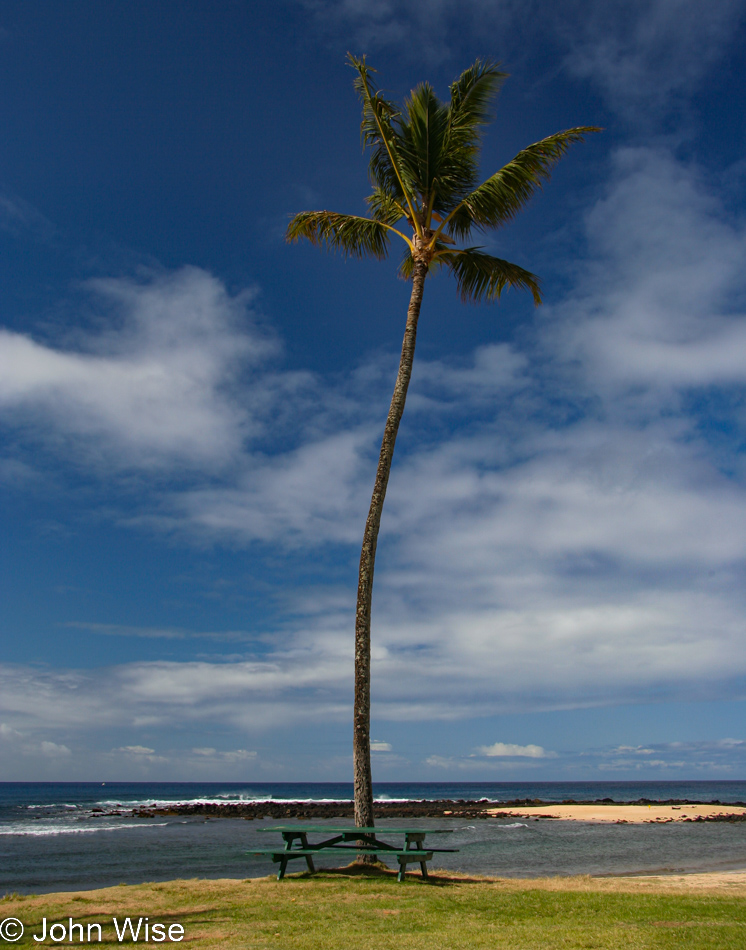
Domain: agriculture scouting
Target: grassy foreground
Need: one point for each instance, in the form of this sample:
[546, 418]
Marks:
[347, 911]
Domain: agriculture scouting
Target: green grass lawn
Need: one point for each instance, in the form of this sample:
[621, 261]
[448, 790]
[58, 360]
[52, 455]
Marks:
[349, 911]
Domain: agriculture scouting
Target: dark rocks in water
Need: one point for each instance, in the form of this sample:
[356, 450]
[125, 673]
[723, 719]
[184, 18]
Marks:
[444, 808]
[295, 810]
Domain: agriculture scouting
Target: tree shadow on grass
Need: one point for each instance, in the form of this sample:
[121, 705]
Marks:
[357, 869]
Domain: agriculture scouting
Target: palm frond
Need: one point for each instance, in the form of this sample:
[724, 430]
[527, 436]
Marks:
[438, 143]
[379, 131]
[456, 170]
[502, 196]
[480, 276]
[385, 208]
[374, 105]
[406, 268]
[423, 139]
[354, 236]
[473, 91]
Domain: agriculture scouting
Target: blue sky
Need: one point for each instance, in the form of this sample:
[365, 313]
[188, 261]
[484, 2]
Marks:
[190, 409]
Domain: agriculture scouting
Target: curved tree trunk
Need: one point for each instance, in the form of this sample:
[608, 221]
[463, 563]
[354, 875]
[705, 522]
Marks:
[361, 719]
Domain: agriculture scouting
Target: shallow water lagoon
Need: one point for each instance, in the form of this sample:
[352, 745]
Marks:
[60, 836]
[123, 851]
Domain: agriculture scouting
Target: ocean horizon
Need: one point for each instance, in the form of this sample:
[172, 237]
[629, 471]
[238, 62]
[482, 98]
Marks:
[62, 835]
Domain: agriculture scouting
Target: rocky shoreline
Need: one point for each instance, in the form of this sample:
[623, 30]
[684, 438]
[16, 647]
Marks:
[443, 808]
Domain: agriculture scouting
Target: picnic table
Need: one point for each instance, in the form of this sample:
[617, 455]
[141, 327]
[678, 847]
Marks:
[365, 841]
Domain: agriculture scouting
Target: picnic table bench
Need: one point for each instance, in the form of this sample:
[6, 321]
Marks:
[365, 841]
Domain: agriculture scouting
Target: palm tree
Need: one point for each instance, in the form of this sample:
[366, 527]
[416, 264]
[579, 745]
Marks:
[423, 169]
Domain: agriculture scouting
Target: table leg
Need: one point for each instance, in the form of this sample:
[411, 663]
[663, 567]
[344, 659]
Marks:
[417, 843]
[309, 859]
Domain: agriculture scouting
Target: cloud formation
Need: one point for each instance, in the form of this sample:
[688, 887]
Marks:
[508, 749]
[152, 388]
[656, 309]
[644, 54]
[386, 24]
[579, 542]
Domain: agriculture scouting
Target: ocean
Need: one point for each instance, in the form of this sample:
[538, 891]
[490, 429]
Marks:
[58, 836]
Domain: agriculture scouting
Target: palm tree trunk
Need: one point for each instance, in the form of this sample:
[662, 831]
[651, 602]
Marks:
[361, 718]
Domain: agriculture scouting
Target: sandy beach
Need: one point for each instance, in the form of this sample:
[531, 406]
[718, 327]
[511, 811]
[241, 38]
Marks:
[622, 814]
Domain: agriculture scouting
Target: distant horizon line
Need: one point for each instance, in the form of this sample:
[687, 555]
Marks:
[642, 781]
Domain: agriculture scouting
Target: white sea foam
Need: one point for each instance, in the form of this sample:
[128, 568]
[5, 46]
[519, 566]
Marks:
[47, 830]
[249, 798]
[215, 800]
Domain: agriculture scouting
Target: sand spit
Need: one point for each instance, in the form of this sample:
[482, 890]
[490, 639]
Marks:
[626, 814]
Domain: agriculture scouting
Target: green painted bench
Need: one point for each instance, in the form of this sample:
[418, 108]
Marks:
[282, 856]
[366, 841]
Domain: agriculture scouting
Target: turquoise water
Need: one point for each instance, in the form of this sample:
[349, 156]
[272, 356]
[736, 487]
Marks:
[53, 837]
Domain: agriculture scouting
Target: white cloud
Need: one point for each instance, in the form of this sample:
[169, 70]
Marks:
[631, 750]
[722, 757]
[158, 633]
[19, 217]
[387, 23]
[440, 762]
[135, 750]
[644, 53]
[623, 765]
[503, 749]
[259, 695]
[377, 746]
[313, 494]
[236, 755]
[493, 372]
[153, 388]
[655, 308]
[53, 749]
[697, 759]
